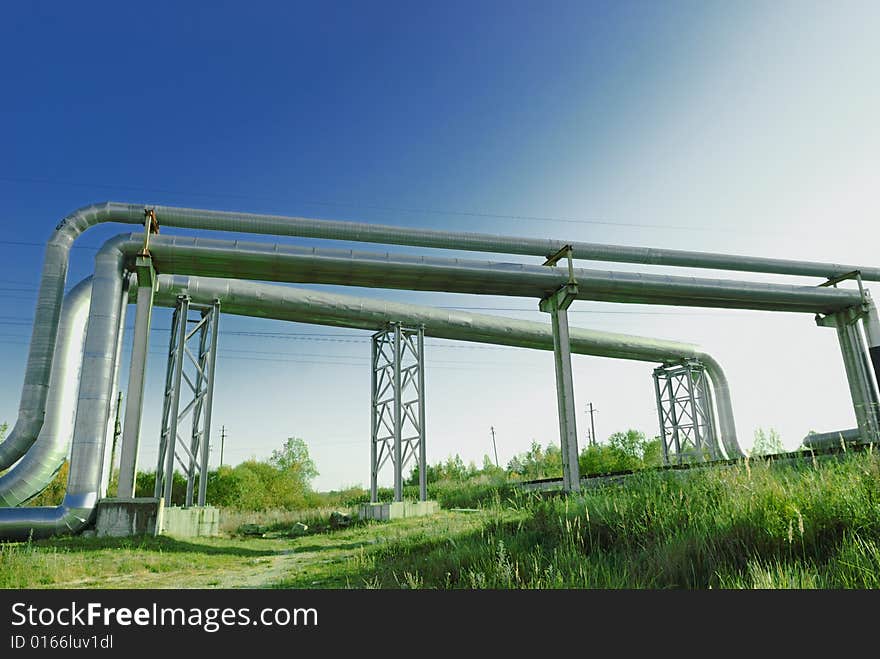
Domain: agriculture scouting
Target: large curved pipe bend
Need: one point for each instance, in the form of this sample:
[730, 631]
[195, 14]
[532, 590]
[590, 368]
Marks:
[30, 475]
[92, 412]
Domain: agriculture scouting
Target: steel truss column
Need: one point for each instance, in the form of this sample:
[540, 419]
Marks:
[685, 410]
[863, 390]
[134, 404]
[397, 406]
[557, 305]
[197, 371]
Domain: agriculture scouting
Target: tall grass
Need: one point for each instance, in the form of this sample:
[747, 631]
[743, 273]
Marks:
[232, 520]
[754, 525]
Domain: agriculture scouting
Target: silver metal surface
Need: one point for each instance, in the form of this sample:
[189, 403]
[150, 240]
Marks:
[197, 373]
[871, 323]
[833, 439]
[30, 475]
[114, 387]
[684, 407]
[397, 409]
[557, 306]
[202, 421]
[863, 390]
[92, 411]
[286, 263]
[321, 308]
[137, 374]
[168, 442]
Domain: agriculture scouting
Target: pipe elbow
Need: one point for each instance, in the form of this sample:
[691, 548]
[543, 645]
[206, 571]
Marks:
[727, 426]
[76, 512]
[74, 224]
[73, 515]
[22, 436]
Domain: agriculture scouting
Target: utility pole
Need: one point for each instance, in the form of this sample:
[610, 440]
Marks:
[495, 448]
[222, 442]
[591, 410]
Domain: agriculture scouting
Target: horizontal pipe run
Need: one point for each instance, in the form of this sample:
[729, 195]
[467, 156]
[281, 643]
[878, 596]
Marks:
[481, 242]
[286, 263]
[834, 438]
[321, 308]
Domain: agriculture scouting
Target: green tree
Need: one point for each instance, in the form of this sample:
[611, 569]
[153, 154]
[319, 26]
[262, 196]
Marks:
[630, 443]
[766, 443]
[537, 462]
[294, 456]
[625, 451]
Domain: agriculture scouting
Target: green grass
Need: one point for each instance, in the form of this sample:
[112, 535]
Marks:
[85, 562]
[755, 525]
[751, 525]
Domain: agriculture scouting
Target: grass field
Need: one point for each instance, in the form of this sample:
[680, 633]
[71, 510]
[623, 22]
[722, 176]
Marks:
[753, 525]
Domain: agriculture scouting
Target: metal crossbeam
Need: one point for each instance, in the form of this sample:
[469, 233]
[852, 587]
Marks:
[397, 406]
[685, 410]
[197, 371]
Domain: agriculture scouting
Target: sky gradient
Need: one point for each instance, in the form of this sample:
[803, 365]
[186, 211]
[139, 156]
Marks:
[744, 128]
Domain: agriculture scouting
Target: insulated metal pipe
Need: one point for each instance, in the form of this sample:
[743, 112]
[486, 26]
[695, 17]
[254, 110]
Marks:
[30, 475]
[114, 387]
[40, 355]
[286, 263]
[871, 322]
[482, 242]
[858, 377]
[321, 308]
[92, 412]
[834, 438]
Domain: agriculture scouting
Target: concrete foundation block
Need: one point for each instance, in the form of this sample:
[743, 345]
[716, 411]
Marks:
[196, 521]
[397, 509]
[119, 518]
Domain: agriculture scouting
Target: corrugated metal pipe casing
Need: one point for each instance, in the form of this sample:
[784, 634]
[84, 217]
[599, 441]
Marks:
[92, 410]
[37, 468]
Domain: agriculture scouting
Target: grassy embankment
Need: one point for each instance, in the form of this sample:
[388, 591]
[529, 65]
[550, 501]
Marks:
[812, 525]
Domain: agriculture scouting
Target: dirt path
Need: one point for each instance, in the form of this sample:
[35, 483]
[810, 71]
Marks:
[272, 570]
[255, 573]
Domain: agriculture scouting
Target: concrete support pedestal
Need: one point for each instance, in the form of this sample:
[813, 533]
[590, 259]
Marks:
[131, 428]
[557, 305]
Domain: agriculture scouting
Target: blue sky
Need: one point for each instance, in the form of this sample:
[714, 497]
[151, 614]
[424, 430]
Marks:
[744, 127]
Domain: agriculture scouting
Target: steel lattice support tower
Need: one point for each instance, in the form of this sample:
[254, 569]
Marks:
[398, 406]
[196, 371]
[687, 419]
